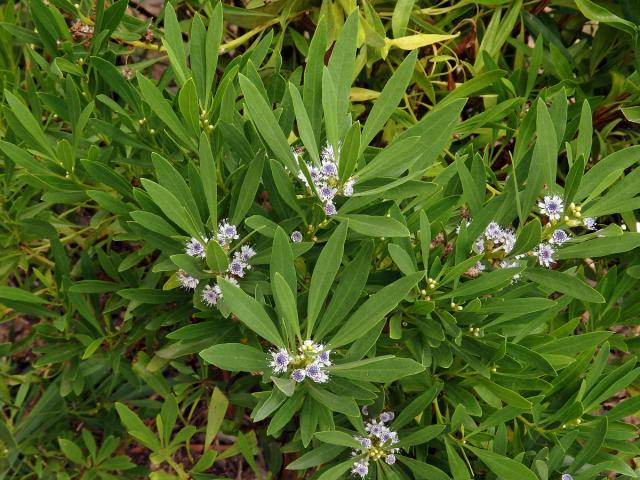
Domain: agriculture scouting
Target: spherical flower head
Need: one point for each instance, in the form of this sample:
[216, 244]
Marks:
[365, 410]
[303, 179]
[508, 239]
[478, 246]
[315, 373]
[232, 280]
[280, 360]
[296, 236]
[246, 253]
[493, 232]
[308, 346]
[211, 295]
[552, 206]
[194, 248]
[315, 173]
[323, 358]
[589, 223]
[544, 252]
[390, 459]
[360, 468]
[559, 237]
[566, 476]
[236, 267]
[386, 417]
[298, 375]
[326, 192]
[347, 188]
[364, 441]
[386, 435]
[330, 209]
[328, 155]
[374, 428]
[227, 232]
[329, 168]
[187, 281]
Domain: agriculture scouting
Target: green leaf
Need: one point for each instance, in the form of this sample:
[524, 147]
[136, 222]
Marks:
[381, 369]
[349, 153]
[312, 85]
[217, 258]
[600, 14]
[235, 357]
[486, 282]
[188, 103]
[149, 295]
[286, 304]
[315, 457]
[608, 167]
[416, 407]
[336, 471]
[502, 466]
[71, 451]
[324, 273]
[215, 415]
[421, 436]
[267, 124]
[305, 127]
[528, 238]
[389, 98]
[282, 259]
[375, 226]
[564, 283]
[330, 108]
[162, 108]
[171, 207]
[506, 395]
[574, 177]
[31, 126]
[173, 181]
[457, 466]
[285, 385]
[343, 60]
[94, 286]
[402, 259]
[375, 309]
[209, 179]
[352, 281]
[136, 427]
[423, 471]
[19, 295]
[248, 190]
[333, 402]
[336, 437]
[174, 44]
[601, 246]
[250, 312]
[592, 446]
[393, 160]
[401, 16]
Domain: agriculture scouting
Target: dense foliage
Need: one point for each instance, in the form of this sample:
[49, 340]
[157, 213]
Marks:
[303, 239]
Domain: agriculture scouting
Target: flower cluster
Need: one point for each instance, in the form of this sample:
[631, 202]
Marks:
[310, 362]
[325, 179]
[226, 234]
[552, 206]
[496, 239]
[378, 444]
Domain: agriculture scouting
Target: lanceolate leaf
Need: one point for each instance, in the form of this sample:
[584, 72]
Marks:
[374, 309]
[325, 272]
[250, 312]
[267, 124]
